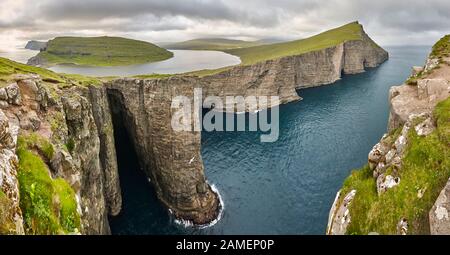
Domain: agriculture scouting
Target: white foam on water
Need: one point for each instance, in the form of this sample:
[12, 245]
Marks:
[189, 224]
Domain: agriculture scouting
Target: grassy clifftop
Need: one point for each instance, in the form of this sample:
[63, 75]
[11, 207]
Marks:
[220, 44]
[251, 55]
[9, 68]
[261, 53]
[101, 51]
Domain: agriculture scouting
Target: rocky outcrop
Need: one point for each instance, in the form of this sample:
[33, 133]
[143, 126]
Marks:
[36, 45]
[407, 100]
[340, 217]
[36, 61]
[172, 160]
[11, 221]
[411, 113]
[78, 124]
[440, 213]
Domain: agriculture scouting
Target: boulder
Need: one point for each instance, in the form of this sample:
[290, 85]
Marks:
[400, 144]
[390, 156]
[10, 213]
[402, 227]
[28, 87]
[380, 169]
[377, 154]
[13, 92]
[30, 121]
[439, 215]
[431, 64]
[416, 70]
[3, 104]
[6, 137]
[425, 128]
[3, 94]
[433, 89]
[385, 182]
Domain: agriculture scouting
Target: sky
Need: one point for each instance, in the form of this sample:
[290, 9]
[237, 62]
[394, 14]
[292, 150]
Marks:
[388, 22]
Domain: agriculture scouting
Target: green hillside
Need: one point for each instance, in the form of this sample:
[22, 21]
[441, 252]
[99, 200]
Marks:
[326, 39]
[101, 51]
[9, 68]
[220, 44]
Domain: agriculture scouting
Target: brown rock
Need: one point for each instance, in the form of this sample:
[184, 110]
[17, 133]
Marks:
[439, 215]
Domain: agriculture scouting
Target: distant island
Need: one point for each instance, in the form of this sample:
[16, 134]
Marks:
[98, 51]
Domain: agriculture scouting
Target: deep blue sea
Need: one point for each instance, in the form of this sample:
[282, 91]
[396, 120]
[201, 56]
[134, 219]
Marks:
[286, 187]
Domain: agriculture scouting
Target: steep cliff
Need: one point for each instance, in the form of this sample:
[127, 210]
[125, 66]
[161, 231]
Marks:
[282, 76]
[69, 128]
[404, 189]
[171, 159]
[66, 164]
[36, 45]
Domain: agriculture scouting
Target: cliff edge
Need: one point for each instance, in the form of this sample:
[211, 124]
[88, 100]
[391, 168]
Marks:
[404, 188]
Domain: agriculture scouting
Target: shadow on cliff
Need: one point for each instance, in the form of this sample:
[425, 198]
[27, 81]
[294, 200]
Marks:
[140, 208]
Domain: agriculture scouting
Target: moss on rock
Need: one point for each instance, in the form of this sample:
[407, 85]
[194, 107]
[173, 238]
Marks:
[48, 206]
[7, 225]
[425, 170]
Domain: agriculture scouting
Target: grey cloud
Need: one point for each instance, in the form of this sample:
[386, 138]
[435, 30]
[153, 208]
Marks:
[197, 9]
[385, 19]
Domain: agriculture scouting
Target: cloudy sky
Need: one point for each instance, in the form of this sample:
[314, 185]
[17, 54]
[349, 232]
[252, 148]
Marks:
[389, 22]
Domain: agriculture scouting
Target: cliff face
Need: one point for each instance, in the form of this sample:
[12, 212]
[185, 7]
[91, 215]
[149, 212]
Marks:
[70, 130]
[89, 127]
[171, 160]
[78, 121]
[35, 45]
[11, 220]
[414, 153]
[281, 77]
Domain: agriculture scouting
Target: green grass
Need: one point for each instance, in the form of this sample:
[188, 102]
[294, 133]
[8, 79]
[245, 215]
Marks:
[441, 48]
[101, 51]
[255, 54]
[7, 225]
[83, 81]
[48, 206]
[153, 76]
[206, 72]
[9, 67]
[70, 145]
[426, 166]
[38, 143]
[252, 55]
[219, 44]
